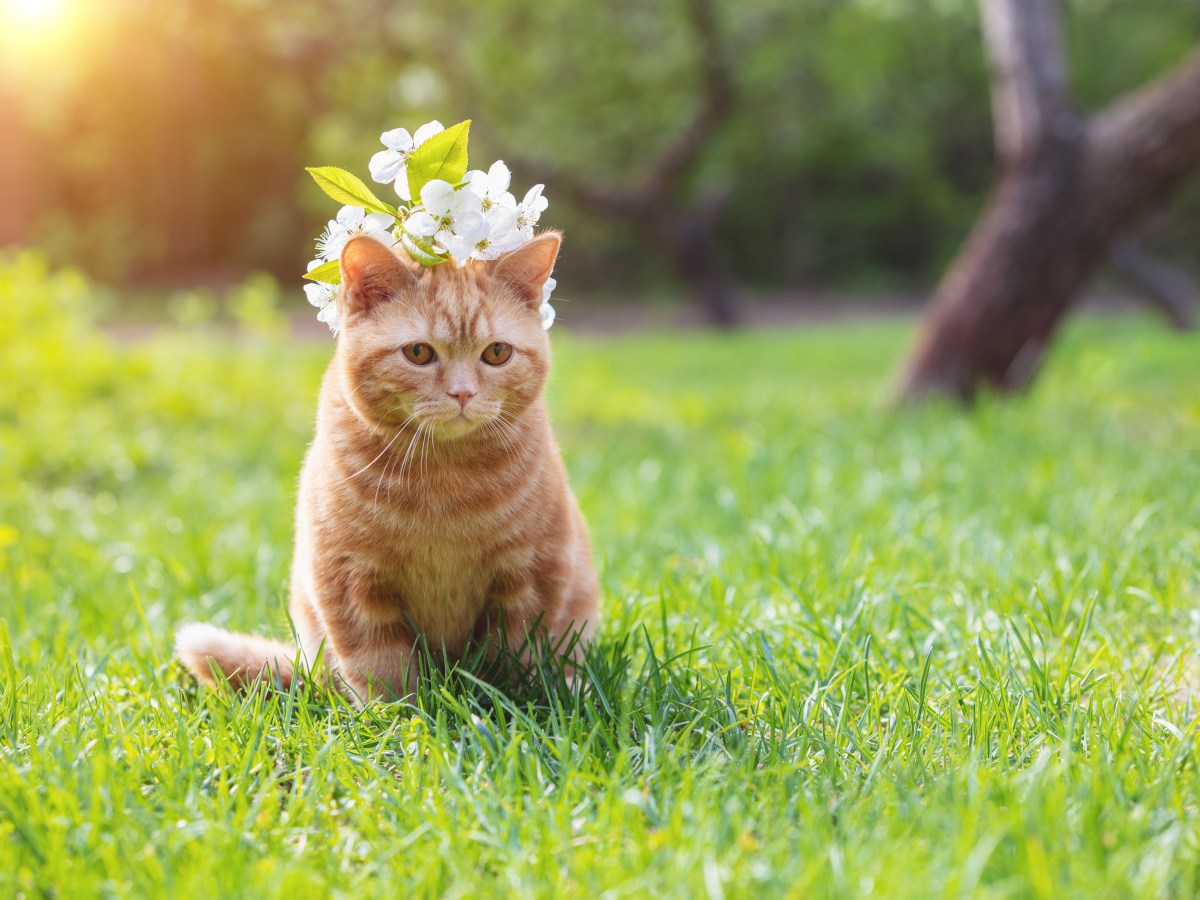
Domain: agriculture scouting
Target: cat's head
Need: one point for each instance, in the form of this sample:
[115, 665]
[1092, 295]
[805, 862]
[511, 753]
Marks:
[454, 350]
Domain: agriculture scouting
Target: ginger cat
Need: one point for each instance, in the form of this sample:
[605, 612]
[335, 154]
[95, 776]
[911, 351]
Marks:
[433, 500]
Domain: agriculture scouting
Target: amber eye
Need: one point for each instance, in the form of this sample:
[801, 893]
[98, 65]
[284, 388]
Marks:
[497, 354]
[419, 354]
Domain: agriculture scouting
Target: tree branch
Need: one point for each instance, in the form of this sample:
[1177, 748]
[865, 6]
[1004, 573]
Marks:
[682, 153]
[1168, 288]
[1141, 146]
[715, 105]
[1064, 197]
[683, 233]
[1030, 99]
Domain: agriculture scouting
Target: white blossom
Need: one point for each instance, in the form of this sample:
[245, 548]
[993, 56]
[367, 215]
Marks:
[319, 294]
[352, 220]
[477, 219]
[530, 209]
[329, 315]
[492, 186]
[502, 234]
[391, 165]
[546, 311]
[450, 217]
[324, 297]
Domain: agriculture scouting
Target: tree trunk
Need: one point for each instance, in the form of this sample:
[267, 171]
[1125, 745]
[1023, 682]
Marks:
[1067, 190]
[688, 239]
[698, 266]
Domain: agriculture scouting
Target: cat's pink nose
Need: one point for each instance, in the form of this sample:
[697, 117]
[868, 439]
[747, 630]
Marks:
[462, 395]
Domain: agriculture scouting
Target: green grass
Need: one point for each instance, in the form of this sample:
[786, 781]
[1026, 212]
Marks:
[845, 652]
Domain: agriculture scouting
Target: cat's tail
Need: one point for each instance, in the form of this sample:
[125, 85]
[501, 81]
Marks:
[241, 658]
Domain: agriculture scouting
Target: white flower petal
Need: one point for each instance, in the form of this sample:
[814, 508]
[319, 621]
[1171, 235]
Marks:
[458, 247]
[500, 220]
[548, 289]
[397, 139]
[476, 180]
[426, 131]
[386, 166]
[438, 196]
[351, 216]
[319, 294]
[485, 251]
[331, 241]
[546, 311]
[499, 178]
[511, 241]
[378, 222]
[333, 246]
[503, 235]
[421, 224]
[329, 315]
[463, 203]
[471, 226]
[402, 190]
[534, 202]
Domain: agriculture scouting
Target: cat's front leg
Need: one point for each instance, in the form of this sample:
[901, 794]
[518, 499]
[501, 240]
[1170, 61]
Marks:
[530, 628]
[374, 659]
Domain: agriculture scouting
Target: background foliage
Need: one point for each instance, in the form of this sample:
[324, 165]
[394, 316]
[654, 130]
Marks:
[859, 150]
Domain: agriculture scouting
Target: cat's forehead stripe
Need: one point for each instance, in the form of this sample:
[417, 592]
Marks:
[455, 311]
[471, 329]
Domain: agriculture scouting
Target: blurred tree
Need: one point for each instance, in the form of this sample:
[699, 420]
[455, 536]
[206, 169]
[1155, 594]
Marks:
[1069, 188]
[777, 173]
[164, 143]
[682, 229]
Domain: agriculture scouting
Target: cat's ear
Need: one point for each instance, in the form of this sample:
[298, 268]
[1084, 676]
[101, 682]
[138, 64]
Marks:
[371, 274]
[526, 269]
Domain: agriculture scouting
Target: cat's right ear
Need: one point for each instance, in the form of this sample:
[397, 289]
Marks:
[371, 274]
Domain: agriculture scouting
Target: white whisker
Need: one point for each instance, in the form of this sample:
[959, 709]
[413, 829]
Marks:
[399, 432]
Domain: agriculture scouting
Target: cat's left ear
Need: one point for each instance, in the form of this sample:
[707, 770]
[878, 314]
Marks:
[372, 273]
[526, 269]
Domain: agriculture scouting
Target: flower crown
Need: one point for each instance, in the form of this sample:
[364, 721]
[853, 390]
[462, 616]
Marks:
[459, 215]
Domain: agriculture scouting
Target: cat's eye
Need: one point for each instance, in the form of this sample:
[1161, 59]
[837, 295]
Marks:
[497, 354]
[419, 354]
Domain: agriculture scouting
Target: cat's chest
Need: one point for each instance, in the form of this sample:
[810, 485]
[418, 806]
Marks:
[437, 568]
[429, 550]
[442, 585]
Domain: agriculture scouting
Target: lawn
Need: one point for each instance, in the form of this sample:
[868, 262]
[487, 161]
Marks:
[845, 651]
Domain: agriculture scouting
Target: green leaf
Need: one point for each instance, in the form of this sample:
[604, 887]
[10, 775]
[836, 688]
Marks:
[421, 249]
[346, 188]
[326, 273]
[443, 156]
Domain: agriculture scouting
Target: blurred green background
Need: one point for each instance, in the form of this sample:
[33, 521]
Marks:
[155, 145]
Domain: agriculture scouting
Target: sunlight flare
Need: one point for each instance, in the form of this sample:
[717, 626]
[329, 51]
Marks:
[33, 14]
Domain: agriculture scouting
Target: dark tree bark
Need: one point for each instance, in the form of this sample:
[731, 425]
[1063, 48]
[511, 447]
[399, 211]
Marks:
[1068, 189]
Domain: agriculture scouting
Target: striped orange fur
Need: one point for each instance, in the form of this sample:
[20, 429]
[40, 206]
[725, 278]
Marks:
[433, 500]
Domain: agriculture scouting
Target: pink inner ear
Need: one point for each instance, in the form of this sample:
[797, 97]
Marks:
[371, 273]
[526, 269]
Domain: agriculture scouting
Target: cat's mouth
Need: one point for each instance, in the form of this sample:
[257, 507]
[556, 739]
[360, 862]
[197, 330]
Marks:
[456, 425]
[458, 422]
